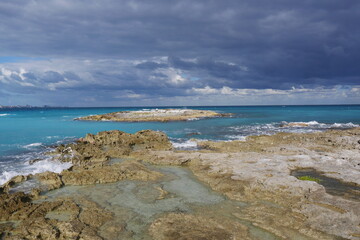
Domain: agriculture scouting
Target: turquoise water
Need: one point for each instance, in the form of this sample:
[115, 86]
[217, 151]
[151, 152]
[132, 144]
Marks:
[26, 133]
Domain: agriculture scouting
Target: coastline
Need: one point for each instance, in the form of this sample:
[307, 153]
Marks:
[256, 171]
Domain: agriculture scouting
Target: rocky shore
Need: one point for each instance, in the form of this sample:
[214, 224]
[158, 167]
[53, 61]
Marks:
[256, 189]
[154, 115]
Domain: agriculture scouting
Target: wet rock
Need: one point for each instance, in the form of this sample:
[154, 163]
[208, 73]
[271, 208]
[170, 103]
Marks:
[193, 134]
[50, 179]
[13, 181]
[35, 160]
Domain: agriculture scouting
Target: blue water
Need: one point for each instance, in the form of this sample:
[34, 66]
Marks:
[26, 133]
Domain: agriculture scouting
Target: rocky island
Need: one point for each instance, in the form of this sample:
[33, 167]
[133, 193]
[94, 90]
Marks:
[137, 186]
[154, 115]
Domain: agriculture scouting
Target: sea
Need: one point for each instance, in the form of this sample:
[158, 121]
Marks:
[26, 134]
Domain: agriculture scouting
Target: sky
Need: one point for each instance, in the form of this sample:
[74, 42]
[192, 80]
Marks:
[180, 53]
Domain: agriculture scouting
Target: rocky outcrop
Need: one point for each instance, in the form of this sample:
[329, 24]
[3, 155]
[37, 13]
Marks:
[154, 115]
[97, 150]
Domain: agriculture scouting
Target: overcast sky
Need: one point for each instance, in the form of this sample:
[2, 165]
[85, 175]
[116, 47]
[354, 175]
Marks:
[184, 52]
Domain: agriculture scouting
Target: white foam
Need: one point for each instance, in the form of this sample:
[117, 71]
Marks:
[52, 137]
[33, 145]
[37, 167]
[239, 132]
[315, 124]
[236, 137]
[162, 111]
[189, 144]
[344, 125]
[311, 123]
[4, 114]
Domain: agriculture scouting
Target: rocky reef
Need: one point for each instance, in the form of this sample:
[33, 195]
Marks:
[263, 197]
[154, 115]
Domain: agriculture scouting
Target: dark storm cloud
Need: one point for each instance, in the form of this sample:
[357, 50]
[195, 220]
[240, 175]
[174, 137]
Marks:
[150, 65]
[169, 47]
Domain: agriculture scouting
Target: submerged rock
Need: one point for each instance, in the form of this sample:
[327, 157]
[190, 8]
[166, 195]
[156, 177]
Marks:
[185, 226]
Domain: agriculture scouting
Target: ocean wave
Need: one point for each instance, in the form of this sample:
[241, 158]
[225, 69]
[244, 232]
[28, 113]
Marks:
[37, 167]
[317, 125]
[185, 145]
[193, 119]
[52, 137]
[344, 125]
[5, 114]
[236, 137]
[240, 132]
[32, 145]
[33, 160]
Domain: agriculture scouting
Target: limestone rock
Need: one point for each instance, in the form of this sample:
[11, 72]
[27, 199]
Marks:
[96, 150]
[62, 219]
[186, 226]
[159, 115]
[109, 174]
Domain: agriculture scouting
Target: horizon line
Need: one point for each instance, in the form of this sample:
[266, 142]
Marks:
[180, 106]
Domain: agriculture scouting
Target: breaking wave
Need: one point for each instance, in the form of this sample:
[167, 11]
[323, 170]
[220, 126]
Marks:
[34, 160]
[33, 145]
[181, 144]
[241, 132]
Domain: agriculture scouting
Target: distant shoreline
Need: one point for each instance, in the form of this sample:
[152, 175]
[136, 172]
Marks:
[171, 106]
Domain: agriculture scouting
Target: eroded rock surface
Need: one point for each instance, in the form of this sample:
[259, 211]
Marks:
[21, 218]
[95, 150]
[157, 115]
[256, 171]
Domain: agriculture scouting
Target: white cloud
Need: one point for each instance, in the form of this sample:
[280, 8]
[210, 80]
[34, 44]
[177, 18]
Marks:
[205, 91]
[174, 76]
[117, 80]
[319, 92]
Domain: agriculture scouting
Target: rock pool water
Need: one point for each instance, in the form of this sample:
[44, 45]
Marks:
[332, 186]
[136, 204]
